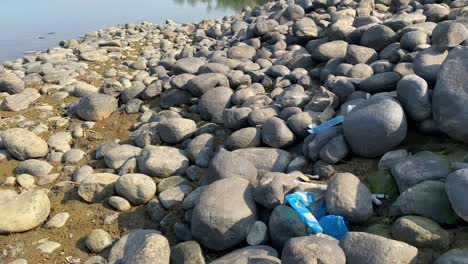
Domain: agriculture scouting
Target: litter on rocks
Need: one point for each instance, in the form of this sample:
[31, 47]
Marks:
[330, 123]
[332, 225]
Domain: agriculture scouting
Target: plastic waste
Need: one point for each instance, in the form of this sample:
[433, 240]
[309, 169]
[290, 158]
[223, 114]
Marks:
[376, 198]
[330, 123]
[299, 202]
[333, 225]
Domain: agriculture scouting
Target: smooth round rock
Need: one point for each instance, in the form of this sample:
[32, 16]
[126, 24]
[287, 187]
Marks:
[23, 144]
[136, 188]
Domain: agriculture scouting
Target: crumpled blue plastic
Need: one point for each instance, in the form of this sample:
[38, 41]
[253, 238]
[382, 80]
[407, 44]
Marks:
[330, 123]
[332, 225]
[299, 202]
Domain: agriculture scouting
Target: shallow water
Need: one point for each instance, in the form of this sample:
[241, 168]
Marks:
[35, 25]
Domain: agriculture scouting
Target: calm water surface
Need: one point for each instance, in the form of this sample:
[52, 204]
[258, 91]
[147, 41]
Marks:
[35, 25]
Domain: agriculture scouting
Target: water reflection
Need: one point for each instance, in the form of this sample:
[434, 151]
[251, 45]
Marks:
[224, 4]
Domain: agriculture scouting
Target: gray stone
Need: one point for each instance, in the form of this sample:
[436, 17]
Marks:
[414, 97]
[449, 34]
[116, 157]
[96, 107]
[330, 50]
[335, 150]
[97, 187]
[377, 37]
[98, 240]
[453, 256]
[357, 54]
[155, 210]
[34, 167]
[176, 130]
[141, 246]
[23, 144]
[420, 232]
[422, 166]
[241, 52]
[318, 248]
[380, 82]
[175, 97]
[227, 164]
[214, 223]
[60, 141]
[205, 82]
[162, 161]
[258, 234]
[249, 137]
[19, 101]
[22, 212]
[266, 159]
[284, 224]
[427, 199]
[364, 248]
[375, 126]
[455, 187]
[73, 156]
[188, 252]
[427, 63]
[392, 157]
[236, 118]
[171, 182]
[11, 83]
[136, 188]
[187, 65]
[171, 197]
[276, 134]
[247, 255]
[448, 107]
[347, 196]
[57, 221]
[119, 203]
[272, 187]
[213, 102]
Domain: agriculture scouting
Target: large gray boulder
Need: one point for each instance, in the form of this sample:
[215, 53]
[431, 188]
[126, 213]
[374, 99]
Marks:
[449, 106]
[284, 223]
[23, 144]
[205, 82]
[422, 166]
[213, 102]
[248, 255]
[456, 186]
[414, 96]
[136, 188]
[223, 215]
[347, 196]
[97, 187]
[330, 50]
[420, 231]
[375, 126]
[427, 63]
[96, 107]
[141, 246]
[11, 83]
[162, 161]
[22, 212]
[117, 156]
[427, 199]
[449, 34]
[272, 187]
[313, 249]
[276, 133]
[176, 130]
[227, 164]
[188, 252]
[249, 137]
[364, 248]
[187, 65]
[266, 159]
[377, 37]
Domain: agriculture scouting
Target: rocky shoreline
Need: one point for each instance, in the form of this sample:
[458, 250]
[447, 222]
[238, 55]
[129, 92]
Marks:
[177, 143]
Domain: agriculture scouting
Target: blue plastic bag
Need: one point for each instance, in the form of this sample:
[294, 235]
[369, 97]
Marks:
[299, 202]
[321, 210]
[333, 225]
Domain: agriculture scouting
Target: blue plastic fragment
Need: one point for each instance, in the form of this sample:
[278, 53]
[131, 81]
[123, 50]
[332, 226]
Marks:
[299, 202]
[321, 210]
[333, 225]
[330, 123]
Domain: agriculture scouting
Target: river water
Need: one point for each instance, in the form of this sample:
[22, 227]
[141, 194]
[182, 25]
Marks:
[35, 25]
